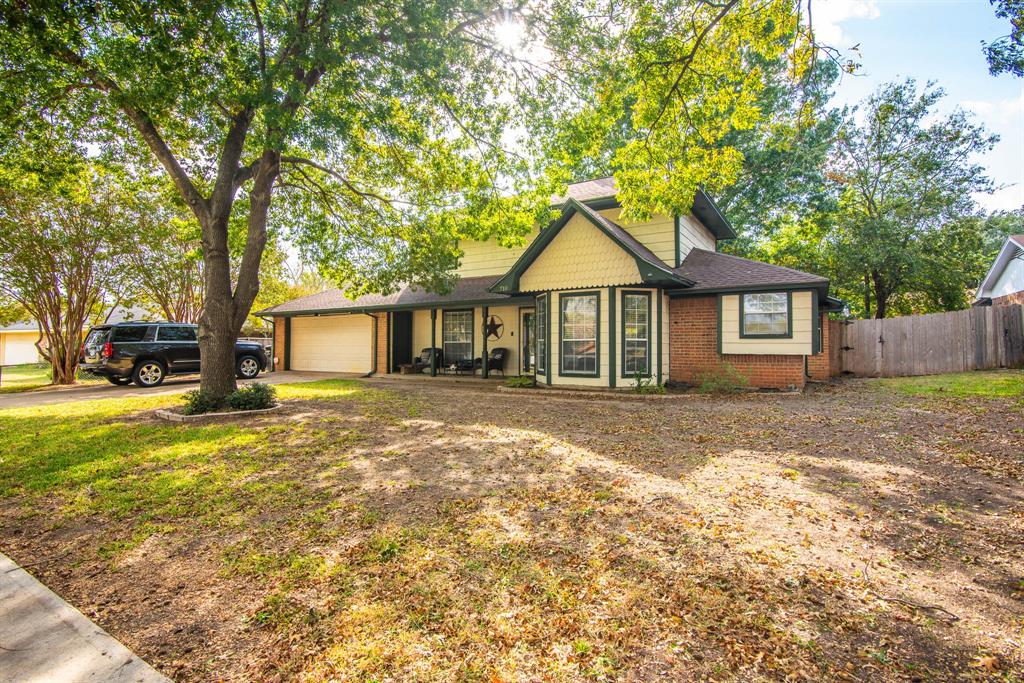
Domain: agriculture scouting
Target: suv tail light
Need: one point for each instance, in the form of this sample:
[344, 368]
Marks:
[108, 350]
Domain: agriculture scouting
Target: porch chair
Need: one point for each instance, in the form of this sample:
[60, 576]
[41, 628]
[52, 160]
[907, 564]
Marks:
[423, 361]
[495, 361]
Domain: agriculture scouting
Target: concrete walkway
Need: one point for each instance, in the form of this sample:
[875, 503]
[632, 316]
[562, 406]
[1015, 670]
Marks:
[43, 638]
[173, 385]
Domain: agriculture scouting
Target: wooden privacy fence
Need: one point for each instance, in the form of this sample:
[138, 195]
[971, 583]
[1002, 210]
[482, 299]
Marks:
[975, 339]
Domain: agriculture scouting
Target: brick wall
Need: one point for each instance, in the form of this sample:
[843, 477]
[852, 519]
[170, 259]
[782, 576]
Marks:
[382, 342]
[278, 343]
[1015, 298]
[819, 365]
[693, 344]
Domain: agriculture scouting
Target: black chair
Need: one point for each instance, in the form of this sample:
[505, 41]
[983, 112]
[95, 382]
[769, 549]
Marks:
[425, 357]
[495, 361]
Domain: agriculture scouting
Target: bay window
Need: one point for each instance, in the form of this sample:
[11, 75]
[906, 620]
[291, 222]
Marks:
[578, 334]
[636, 333]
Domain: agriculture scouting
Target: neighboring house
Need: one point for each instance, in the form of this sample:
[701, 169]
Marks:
[18, 343]
[1004, 283]
[587, 301]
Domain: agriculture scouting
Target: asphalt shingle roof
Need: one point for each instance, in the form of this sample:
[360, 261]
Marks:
[467, 289]
[714, 271]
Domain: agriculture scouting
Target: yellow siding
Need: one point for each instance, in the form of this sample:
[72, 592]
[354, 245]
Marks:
[580, 255]
[655, 234]
[799, 345]
[602, 344]
[489, 258]
[421, 330]
[658, 234]
[510, 336]
[693, 235]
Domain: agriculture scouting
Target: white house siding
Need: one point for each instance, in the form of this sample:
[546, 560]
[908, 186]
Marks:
[1011, 279]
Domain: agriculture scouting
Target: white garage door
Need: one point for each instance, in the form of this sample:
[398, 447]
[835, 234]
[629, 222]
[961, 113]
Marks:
[18, 348]
[338, 343]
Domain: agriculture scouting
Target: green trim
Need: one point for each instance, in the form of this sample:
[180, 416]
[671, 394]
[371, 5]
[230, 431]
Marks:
[287, 343]
[622, 330]
[679, 250]
[789, 317]
[387, 345]
[749, 289]
[433, 342]
[719, 324]
[472, 330]
[611, 336]
[484, 360]
[562, 296]
[661, 339]
[536, 337]
[466, 303]
[815, 326]
[547, 334]
[650, 272]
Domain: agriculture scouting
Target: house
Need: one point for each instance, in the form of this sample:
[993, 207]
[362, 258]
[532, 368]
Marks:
[1004, 283]
[588, 301]
[18, 343]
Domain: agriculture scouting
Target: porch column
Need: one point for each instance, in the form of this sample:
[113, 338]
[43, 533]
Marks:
[611, 337]
[483, 359]
[433, 342]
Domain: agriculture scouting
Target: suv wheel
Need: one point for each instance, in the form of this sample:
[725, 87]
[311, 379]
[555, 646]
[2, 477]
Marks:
[119, 381]
[247, 367]
[149, 373]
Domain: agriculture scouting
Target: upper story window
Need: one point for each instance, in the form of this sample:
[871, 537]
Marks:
[765, 314]
[183, 333]
[579, 324]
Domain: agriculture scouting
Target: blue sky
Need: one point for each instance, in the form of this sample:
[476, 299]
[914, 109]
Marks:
[938, 40]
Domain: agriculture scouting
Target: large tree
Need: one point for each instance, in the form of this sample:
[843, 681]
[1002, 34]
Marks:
[59, 254]
[389, 121]
[1006, 53]
[905, 180]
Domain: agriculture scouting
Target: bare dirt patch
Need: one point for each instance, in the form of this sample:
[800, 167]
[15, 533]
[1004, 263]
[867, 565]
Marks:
[454, 533]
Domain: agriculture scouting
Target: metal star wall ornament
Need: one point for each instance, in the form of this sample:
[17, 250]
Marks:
[494, 327]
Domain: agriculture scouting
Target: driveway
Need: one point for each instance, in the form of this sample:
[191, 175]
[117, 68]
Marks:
[174, 385]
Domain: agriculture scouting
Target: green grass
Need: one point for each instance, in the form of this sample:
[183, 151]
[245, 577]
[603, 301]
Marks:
[981, 383]
[18, 378]
[105, 457]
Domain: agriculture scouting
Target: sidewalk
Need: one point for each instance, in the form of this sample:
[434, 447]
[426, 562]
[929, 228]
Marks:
[43, 638]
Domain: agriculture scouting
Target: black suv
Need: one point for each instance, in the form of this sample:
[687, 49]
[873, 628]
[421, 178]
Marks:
[145, 353]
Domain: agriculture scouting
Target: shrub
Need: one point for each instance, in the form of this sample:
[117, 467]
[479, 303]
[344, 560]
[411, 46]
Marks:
[197, 403]
[725, 380]
[646, 385]
[256, 396]
[521, 382]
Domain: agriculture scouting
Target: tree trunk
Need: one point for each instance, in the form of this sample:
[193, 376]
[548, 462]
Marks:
[224, 311]
[867, 296]
[881, 295]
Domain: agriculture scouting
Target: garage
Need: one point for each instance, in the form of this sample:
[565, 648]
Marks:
[332, 343]
[18, 347]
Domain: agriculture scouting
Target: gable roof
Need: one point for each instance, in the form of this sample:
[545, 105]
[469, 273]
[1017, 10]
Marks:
[600, 193]
[712, 271]
[1010, 250]
[652, 269]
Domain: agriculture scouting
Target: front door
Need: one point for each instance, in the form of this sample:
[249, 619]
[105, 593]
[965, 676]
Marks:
[528, 350]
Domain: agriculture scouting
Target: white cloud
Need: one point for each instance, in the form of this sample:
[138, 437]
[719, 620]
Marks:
[829, 14]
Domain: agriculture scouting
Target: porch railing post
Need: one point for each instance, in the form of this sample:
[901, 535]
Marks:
[484, 365]
[433, 342]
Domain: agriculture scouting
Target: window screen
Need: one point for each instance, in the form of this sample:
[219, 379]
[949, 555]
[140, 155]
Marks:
[457, 336]
[766, 314]
[579, 334]
[541, 331]
[636, 313]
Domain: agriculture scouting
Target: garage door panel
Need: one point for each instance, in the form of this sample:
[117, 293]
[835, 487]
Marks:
[341, 343]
